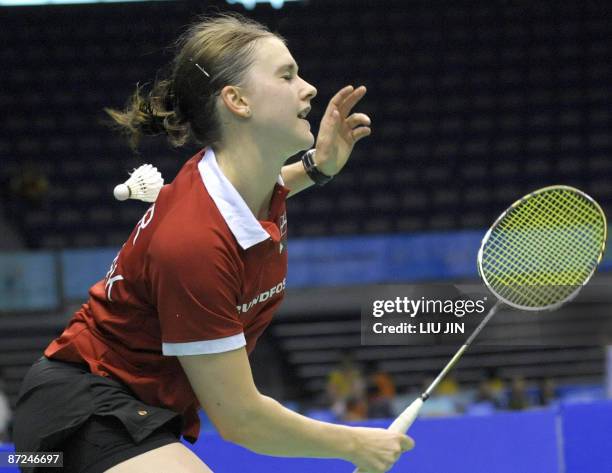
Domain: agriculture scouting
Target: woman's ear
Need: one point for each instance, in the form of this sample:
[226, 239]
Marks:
[235, 101]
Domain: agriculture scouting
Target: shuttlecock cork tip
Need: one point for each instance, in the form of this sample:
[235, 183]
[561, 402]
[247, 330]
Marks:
[121, 192]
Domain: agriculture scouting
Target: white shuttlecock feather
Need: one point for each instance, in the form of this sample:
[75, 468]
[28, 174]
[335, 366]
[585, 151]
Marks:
[144, 184]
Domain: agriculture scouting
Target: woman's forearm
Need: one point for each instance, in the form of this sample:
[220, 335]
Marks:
[272, 429]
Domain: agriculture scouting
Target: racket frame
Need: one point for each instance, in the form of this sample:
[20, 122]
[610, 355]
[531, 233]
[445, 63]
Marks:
[511, 208]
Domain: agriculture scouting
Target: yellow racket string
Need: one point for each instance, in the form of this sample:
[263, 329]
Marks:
[544, 247]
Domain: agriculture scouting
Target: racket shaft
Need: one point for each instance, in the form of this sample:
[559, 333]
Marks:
[445, 371]
[461, 350]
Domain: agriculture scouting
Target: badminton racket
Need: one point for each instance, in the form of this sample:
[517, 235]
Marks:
[536, 256]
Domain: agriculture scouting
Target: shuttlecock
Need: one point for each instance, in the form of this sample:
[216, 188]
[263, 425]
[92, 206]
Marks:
[144, 184]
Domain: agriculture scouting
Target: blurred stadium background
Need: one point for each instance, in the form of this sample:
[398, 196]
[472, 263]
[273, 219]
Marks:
[473, 105]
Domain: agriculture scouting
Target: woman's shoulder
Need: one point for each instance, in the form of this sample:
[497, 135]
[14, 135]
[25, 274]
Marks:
[183, 233]
[186, 210]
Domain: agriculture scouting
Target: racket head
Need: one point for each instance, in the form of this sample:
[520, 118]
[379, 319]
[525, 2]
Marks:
[544, 248]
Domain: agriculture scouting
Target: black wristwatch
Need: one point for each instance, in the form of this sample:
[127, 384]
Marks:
[310, 167]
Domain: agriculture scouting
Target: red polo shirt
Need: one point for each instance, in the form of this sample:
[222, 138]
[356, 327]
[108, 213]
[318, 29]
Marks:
[199, 274]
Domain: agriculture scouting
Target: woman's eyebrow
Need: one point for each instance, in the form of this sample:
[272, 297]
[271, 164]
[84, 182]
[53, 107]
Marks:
[291, 67]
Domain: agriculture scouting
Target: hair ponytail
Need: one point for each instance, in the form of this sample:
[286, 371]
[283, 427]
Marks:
[150, 115]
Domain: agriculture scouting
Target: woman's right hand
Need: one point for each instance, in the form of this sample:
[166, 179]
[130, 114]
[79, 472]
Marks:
[377, 450]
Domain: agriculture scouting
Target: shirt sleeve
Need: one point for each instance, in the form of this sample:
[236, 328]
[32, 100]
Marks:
[196, 289]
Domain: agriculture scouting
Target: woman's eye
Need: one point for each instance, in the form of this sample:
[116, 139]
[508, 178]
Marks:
[287, 77]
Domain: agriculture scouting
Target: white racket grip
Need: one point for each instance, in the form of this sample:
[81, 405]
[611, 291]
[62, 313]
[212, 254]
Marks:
[407, 418]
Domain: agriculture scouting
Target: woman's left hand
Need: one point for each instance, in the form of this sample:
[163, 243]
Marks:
[340, 130]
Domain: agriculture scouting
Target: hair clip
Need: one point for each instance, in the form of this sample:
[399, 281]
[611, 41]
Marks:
[201, 68]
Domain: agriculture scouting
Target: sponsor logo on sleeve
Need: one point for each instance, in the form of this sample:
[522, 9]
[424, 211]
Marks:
[264, 296]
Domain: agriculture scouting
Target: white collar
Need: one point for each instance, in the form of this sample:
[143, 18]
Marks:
[246, 228]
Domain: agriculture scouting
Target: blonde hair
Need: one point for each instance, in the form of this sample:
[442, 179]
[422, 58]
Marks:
[212, 53]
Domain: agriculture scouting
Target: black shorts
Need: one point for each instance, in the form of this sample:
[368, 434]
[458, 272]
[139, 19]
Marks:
[95, 421]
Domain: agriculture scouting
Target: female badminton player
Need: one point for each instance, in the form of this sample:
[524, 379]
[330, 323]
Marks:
[170, 327]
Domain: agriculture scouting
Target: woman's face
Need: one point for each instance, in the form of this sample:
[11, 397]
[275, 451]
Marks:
[277, 95]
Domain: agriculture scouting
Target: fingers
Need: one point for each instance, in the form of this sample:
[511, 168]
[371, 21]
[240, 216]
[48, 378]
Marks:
[361, 132]
[351, 99]
[346, 98]
[358, 119]
[359, 123]
[341, 96]
[406, 443]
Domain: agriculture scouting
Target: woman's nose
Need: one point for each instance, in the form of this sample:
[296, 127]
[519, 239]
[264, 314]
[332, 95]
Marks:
[311, 91]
